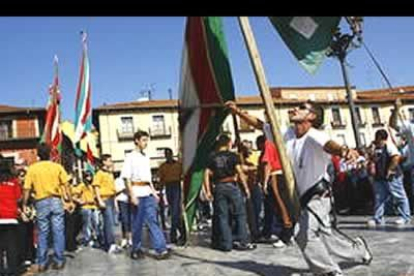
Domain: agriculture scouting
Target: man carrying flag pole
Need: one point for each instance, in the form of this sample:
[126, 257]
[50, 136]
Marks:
[305, 160]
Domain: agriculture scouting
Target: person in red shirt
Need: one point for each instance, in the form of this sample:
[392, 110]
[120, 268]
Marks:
[10, 193]
[273, 190]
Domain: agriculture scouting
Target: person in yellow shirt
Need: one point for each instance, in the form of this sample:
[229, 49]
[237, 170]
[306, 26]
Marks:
[85, 197]
[104, 187]
[170, 176]
[46, 179]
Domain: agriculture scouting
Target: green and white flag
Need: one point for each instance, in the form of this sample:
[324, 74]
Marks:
[308, 38]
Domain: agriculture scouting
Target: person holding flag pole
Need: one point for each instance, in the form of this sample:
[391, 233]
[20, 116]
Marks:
[306, 157]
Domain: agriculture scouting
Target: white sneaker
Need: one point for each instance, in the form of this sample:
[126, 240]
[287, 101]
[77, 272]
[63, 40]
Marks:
[372, 223]
[279, 244]
[367, 259]
[124, 243]
[114, 249]
[401, 221]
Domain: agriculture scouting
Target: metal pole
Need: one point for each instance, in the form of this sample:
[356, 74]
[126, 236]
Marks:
[355, 123]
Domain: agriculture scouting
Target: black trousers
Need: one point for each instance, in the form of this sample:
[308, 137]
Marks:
[9, 256]
[73, 226]
[26, 247]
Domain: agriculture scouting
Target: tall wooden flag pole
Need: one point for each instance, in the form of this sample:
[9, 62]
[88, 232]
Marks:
[269, 107]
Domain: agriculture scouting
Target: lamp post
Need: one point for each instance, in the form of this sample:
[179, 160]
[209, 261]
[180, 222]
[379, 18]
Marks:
[341, 45]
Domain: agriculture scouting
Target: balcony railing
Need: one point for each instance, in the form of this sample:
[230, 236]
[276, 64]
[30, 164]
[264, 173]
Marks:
[338, 125]
[160, 132]
[125, 135]
[378, 124]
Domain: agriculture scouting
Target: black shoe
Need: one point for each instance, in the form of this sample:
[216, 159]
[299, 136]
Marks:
[163, 255]
[56, 266]
[244, 246]
[173, 240]
[137, 255]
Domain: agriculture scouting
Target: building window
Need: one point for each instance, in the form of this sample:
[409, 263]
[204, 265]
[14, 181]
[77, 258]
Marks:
[376, 116]
[363, 139]
[358, 116]
[158, 125]
[6, 130]
[127, 125]
[411, 114]
[160, 152]
[342, 139]
[336, 118]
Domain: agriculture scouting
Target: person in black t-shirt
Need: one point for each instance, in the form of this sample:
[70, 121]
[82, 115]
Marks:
[224, 168]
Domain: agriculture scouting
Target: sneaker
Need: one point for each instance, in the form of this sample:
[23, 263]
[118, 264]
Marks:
[279, 244]
[372, 223]
[244, 246]
[56, 266]
[402, 222]
[333, 273]
[137, 255]
[367, 259]
[114, 249]
[124, 243]
[163, 255]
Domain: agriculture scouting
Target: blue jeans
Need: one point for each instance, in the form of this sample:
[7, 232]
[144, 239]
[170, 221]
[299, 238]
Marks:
[50, 218]
[228, 199]
[90, 219]
[125, 215]
[109, 222]
[173, 191]
[257, 201]
[270, 218]
[146, 212]
[383, 189]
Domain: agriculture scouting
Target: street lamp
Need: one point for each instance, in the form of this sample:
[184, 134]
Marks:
[341, 45]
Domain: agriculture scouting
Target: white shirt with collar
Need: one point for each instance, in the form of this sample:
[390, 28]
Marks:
[137, 168]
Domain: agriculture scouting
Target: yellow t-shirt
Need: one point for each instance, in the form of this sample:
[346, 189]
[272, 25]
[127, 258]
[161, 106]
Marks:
[170, 172]
[45, 178]
[253, 158]
[105, 182]
[87, 195]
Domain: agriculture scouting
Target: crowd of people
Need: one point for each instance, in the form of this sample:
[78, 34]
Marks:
[243, 195]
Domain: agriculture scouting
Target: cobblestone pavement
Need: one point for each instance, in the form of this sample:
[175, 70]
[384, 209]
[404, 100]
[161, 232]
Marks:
[393, 250]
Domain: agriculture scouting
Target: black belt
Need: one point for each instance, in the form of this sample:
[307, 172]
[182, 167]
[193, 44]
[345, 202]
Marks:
[320, 188]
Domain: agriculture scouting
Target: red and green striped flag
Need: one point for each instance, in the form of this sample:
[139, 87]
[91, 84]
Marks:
[205, 85]
[83, 108]
[52, 134]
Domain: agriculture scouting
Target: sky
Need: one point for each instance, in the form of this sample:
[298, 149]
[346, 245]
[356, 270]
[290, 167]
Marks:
[132, 54]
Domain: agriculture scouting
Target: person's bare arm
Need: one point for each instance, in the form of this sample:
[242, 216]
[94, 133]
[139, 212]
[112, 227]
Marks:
[243, 179]
[206, 183]
[395, 160]
[249, 119]
[26, 196]
[334, 148]
[97, 191]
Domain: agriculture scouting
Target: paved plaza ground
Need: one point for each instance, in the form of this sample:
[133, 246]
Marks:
[393, 250]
